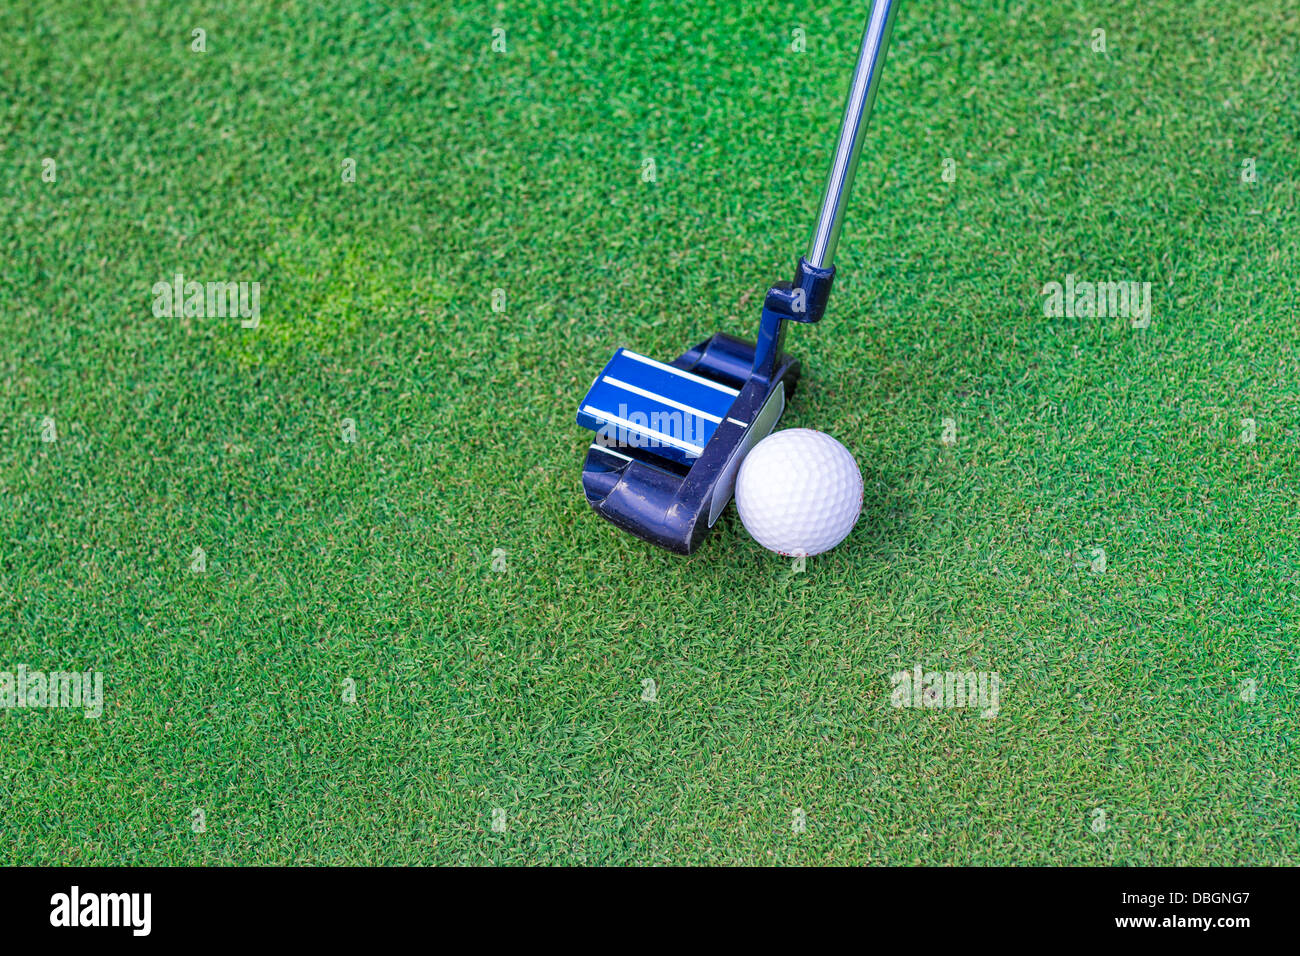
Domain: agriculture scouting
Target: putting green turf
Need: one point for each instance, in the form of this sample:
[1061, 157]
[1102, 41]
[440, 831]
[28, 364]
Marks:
[498, 634]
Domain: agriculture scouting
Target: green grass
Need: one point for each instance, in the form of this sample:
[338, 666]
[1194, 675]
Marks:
[521, 690]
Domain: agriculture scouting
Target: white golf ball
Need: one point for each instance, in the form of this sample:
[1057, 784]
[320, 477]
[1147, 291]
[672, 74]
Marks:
[799, 491]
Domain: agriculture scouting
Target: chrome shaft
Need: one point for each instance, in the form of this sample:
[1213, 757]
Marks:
[862, 94]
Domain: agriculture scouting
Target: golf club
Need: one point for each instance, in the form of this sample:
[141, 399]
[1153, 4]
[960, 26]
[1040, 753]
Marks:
[670, 437]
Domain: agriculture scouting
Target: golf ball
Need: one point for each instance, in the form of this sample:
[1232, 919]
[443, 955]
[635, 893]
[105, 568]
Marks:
[799, 491]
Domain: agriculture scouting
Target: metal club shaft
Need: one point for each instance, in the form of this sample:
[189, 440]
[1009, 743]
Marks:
[862, 94]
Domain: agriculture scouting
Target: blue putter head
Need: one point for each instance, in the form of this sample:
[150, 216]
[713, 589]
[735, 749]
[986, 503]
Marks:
[670, 437]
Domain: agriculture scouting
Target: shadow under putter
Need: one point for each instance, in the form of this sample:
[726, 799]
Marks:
[670, 437]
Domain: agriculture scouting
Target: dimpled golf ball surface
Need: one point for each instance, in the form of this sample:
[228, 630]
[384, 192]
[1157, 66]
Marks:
[799, 491]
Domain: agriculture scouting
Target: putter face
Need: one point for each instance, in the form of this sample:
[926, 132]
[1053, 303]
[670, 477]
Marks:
[768, 415]
[670, 438]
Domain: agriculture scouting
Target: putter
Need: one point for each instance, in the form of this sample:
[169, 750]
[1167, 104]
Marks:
[670, 437]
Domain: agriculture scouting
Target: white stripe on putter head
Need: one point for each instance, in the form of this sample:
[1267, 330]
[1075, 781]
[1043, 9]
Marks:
[677, 371]
[610, 451]
[666, 439]
[736, 422]
[644, 393]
